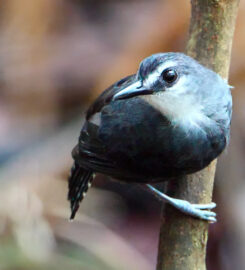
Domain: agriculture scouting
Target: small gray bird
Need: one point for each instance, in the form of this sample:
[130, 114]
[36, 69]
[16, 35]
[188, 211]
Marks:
[170, 119]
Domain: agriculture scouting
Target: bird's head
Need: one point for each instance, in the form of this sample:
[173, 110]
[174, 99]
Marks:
[176, 84]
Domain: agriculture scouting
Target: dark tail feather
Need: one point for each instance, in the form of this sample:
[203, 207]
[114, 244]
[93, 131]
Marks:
[79, 183]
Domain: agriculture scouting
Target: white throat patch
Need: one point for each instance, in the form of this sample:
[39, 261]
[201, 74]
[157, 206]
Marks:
[177, 110]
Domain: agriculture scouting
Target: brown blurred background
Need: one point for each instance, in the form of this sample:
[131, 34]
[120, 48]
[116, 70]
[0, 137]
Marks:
[55, 57]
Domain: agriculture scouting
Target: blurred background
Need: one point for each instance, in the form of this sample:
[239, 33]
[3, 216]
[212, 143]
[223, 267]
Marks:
[55, 58]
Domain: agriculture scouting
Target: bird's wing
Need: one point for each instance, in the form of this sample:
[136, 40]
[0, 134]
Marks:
[108, 94]
[88, 158]
[90, 150]
[91, 154]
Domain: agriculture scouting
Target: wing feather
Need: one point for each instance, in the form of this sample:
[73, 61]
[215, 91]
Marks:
[108, 94]
[90, 154]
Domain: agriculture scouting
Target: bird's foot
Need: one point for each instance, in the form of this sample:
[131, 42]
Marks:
[195, 210]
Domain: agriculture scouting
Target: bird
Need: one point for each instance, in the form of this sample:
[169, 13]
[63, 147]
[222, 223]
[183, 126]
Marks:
[169, 119]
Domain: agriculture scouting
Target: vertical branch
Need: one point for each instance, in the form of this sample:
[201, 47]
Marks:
[182, 243]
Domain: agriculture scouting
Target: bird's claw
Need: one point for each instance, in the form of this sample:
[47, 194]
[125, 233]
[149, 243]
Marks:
[196, 210]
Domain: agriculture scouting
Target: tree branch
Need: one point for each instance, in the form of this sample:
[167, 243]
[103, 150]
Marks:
[182, 243]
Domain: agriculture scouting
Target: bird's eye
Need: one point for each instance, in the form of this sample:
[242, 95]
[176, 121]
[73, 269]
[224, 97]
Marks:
[169, 75]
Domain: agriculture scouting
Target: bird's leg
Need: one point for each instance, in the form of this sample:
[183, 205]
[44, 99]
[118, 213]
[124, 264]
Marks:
[195, 210]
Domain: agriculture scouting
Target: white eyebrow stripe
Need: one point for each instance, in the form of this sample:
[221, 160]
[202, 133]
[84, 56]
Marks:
[151, 78]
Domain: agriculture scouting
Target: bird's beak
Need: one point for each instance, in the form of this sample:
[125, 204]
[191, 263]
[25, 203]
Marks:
[132, 90]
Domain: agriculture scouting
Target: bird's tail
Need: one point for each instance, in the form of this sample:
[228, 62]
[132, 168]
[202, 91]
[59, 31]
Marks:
[79, 182]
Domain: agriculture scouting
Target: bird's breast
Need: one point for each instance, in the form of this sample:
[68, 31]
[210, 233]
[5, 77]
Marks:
[141, 139]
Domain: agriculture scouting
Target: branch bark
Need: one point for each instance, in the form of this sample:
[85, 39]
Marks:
[183, 240]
